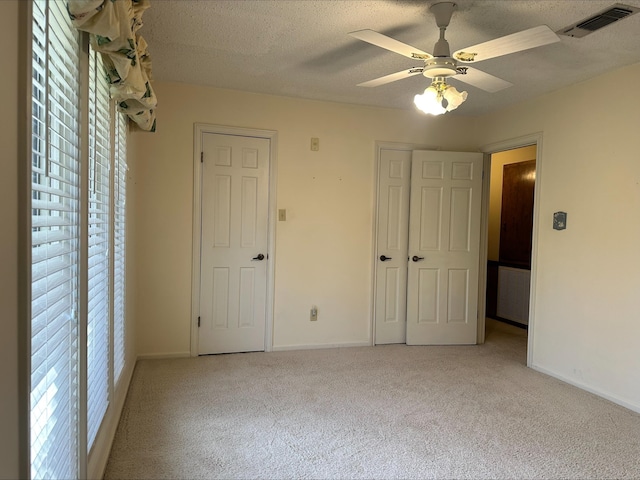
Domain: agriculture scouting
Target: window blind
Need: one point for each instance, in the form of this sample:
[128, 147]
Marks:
[119, 246]
[98, 275]
[55, 243]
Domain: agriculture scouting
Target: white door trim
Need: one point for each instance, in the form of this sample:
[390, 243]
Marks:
[524, 141]
[198, 131]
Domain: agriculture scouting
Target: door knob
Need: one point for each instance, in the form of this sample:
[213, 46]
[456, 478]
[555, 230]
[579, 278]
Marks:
[258, 257]
[384, 258]
[416, 258]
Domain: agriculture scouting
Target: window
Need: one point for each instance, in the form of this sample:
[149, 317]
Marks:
[55, 243]
[99, 267]
[77, 278]
[119, 244]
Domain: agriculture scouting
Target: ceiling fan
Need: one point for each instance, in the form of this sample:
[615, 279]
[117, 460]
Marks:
[441, 65]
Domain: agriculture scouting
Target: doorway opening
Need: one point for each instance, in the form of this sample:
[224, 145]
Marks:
[510, 221]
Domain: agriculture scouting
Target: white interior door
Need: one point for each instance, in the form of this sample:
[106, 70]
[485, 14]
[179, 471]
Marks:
[394, 177]
[444, 247]
[233, 278]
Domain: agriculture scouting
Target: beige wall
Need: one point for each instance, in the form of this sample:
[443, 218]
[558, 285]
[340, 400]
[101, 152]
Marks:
[498, 161]
[586, 302]
[9, 466]
[323, 250]
[587, 307]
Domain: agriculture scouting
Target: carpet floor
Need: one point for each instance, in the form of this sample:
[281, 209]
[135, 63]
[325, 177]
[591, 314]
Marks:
[392, 411]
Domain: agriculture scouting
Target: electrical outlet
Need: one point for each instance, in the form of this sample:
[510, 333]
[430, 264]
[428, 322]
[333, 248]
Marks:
[314, 314]
[282, 215]
[315, 144]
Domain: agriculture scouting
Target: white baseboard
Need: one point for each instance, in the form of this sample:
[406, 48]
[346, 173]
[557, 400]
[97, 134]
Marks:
[284, 348]
[159, 356]
[595, 391]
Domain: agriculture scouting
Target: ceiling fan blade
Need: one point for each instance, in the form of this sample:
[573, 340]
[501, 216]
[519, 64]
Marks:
[483, 81]
[516, 42]
[389, 43]
[392, 77]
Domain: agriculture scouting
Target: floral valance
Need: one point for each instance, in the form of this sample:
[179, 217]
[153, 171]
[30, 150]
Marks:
[113, 27]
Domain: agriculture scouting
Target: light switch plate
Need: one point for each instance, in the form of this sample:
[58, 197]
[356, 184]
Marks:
[559, 220]
[282, 215]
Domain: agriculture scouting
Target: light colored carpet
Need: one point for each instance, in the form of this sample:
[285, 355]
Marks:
[374, 412]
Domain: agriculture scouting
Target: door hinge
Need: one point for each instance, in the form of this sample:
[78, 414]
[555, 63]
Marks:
[198, 322]
[201, 157]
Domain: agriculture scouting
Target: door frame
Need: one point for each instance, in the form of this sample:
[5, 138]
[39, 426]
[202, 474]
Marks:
[488, 150]
[198, 130]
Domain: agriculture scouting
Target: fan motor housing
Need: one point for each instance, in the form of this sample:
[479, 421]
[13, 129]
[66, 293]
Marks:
[440, 67]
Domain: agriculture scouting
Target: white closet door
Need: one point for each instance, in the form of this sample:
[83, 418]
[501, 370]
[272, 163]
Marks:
[444, 239]
[391, 256]
[233, 284]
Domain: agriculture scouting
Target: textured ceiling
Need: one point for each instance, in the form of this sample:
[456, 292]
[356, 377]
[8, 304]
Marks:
[300, 48]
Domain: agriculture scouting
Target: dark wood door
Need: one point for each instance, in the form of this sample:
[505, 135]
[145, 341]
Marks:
[516, 229]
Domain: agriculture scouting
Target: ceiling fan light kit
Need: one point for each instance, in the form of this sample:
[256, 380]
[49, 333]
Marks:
[441, 97]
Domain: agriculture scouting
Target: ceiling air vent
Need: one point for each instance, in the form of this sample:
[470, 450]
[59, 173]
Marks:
[596, 22]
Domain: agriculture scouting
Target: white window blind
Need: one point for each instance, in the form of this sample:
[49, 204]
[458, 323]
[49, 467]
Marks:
[55, 243]
[98, 275]
[119, 246]
[67, 169]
